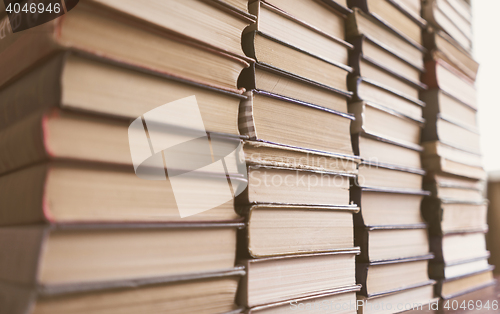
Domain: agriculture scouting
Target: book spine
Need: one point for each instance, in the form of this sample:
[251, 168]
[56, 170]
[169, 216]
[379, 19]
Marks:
[21, 248]
[429, 76]
[39, 89]
[16, 299]
[22, 194]
[22, 144]
[19, 51]
[245, 120]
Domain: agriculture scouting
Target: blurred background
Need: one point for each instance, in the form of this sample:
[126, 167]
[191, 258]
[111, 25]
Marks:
[486, 23]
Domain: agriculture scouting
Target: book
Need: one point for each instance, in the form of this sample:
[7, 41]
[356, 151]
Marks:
[384, 122]
[239, 4]
[72, 192]
[376, 149]
[447, 180]
[440, 74]
[95, 85]
[376, 63]
[360, 23]
[274, 230]
[331, 299]
[267, 154]
[454, 215]
[455, 270]
[279, 24]
[208, 293]
[66, 135]
[381, 207]
[283, 278]
[450, 288]
[463, 7]
[411, 6]
[440, 103]
[442, 46]
[313, 127]
[452, 134]
[390, 179]
[372, 91]
[417, 298]
[80, 257]
[458, 194]
[92, 29]
[380, 243]
[444, 16]
[205, 21]
[456, 247]
[394, 15]
[264, 77]
[272, 51]
[446, 166]
[379, 278]
[325, 16]
[291, 186]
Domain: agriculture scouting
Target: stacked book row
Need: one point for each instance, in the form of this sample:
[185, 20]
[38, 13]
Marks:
[387, 61]
[298, 244]
[456, 210]
[100, 212]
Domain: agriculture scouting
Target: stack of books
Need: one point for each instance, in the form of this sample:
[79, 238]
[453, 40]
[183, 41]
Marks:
[107, 114]
[298, 244]
[456, 211]
[387, 62]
